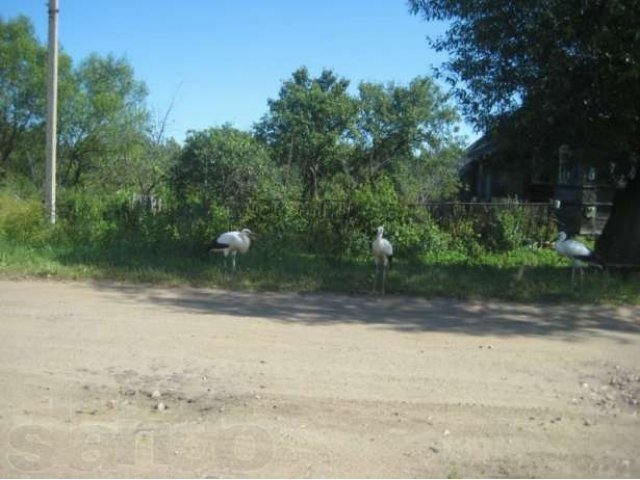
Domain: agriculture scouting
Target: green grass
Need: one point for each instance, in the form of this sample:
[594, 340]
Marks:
[522, 275]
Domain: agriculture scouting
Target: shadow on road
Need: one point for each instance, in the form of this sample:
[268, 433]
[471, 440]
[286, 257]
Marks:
[408, 314]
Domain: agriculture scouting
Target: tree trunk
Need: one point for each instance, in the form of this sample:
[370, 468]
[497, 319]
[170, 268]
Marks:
[620, 239]
[311, 182]
[7, 145]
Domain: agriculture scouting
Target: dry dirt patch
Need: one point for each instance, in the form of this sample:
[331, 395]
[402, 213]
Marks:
[119, 380]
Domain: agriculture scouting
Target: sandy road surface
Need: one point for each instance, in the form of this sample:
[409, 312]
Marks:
[266, 385]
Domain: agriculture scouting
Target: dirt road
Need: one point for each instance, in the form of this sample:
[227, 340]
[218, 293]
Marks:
[272, 385]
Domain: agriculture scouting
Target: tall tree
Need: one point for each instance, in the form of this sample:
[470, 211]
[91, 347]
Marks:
[566, 71]
[222, 165]
[22, 84]
[406, 131]
[306, 125]
[102, 118]
[151, 164]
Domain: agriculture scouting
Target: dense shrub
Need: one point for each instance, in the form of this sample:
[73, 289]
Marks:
[341, 223]
[515, 225]
[378, 203]
[90, 218]
[278, 224]
[223, 166]
[465, 236]
[23, 219]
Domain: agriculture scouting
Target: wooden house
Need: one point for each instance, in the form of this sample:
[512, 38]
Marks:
[579, 192]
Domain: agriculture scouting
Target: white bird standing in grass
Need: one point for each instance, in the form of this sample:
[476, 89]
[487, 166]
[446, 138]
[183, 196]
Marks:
[383, 256]
[232, 243]
[578, 253]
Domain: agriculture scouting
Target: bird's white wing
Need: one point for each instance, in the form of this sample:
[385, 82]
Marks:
[386, 247]
[237, 241]
[232, 239]
[574, 248]
[382, 246]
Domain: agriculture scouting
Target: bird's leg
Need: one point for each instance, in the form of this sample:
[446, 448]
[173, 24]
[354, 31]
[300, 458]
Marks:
[233, 263]
[607, 275]
[375, 278]
[384, 276]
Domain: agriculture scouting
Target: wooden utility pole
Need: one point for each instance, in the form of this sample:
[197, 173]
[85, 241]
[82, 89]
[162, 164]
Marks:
[52, 107]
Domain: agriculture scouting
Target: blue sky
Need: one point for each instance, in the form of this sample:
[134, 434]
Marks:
[222, 59]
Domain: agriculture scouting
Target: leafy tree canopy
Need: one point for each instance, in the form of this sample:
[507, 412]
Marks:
[570, 67]
[306, 123]
[103, 117]
[22, 84]
[320, 132]
[405, 131]
[105, 134]
[222, 165]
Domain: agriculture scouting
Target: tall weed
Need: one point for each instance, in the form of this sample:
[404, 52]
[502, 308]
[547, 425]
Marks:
[23, 219]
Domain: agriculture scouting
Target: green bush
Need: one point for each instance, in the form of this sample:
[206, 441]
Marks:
[189, 227]
[278, 223]
[340, 224]
[23, 219]
[378, 203]
[465, 236]
[435, 242]
[88, 218]
[516, 225]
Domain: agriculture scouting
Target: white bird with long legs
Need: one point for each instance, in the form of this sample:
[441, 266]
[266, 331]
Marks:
[578, 253]
[383, 256]
[232, 243]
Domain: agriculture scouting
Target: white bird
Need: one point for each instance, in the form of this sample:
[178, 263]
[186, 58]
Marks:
[577, 252]
[232, 243]
[383, 256]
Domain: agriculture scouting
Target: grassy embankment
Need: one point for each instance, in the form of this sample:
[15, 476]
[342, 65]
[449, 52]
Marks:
[520, 275]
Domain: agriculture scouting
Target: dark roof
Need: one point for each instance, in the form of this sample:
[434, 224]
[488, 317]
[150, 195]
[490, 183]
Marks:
[485, 145]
